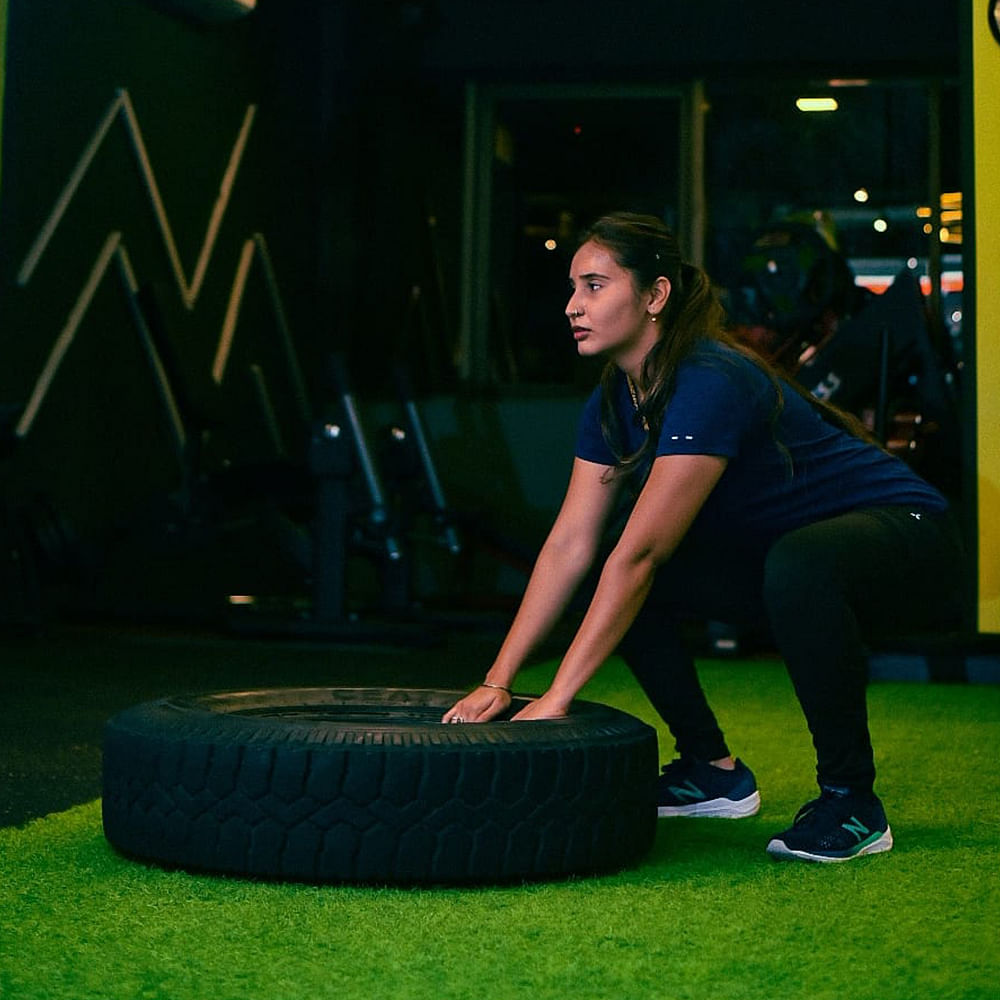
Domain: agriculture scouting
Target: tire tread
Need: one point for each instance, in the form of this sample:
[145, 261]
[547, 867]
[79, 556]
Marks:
[404, 802]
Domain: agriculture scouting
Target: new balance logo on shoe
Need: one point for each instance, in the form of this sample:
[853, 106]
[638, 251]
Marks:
[698, 788]
[688, 792]
[855, 826]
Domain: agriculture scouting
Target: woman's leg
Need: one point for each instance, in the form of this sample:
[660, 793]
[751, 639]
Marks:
[695, 582]
[826, 587]
[657, 655]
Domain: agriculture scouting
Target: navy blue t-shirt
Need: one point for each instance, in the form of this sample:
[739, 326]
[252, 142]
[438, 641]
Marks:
[723, 404]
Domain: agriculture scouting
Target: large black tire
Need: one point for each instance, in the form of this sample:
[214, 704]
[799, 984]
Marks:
[366, 785]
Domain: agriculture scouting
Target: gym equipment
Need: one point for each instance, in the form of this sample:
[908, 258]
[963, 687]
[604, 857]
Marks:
[366, 785]
[873, 355]
[343, 522]
[410, 461]
[885, 340]
[792, 286]
[882, 359]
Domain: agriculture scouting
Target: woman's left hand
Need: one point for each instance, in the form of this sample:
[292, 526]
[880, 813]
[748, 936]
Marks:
[480, 705]
[544, 707]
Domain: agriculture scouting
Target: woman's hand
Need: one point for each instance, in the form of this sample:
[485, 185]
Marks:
[479, 705]
[545, 707]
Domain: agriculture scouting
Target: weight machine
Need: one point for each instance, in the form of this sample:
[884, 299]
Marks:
[353, 513]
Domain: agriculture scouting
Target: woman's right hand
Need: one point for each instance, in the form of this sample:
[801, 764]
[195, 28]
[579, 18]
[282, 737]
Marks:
[479, 705]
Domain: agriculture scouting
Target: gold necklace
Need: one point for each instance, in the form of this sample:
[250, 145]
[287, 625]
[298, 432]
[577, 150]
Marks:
[633, 392]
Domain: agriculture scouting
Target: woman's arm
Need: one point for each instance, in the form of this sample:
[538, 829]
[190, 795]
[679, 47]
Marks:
[677, 487]
[562, 563]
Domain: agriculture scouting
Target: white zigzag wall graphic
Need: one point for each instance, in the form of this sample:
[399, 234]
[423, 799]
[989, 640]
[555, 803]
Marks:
[114, 249]
[122, 107]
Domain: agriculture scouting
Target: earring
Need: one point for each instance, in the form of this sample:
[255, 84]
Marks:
[652, 317]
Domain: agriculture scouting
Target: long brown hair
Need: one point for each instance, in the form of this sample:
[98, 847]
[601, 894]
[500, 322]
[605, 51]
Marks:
[645, 247]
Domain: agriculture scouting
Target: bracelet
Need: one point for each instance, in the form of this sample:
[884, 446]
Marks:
[499, 687]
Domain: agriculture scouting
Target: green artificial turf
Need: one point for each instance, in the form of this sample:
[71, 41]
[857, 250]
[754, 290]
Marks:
[706, 915]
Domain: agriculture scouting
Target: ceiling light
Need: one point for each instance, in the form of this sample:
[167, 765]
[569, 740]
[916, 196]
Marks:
[816, 104]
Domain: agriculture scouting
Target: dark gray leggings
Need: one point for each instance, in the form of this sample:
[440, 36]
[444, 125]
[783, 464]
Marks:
[823, 589]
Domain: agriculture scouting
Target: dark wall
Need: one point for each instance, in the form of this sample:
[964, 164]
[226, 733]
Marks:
[336, 175]
[352, 172]
[100, 437]
[660, 38]
[99, 462]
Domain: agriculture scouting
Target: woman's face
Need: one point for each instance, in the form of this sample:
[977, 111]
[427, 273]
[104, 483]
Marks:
[607, 313]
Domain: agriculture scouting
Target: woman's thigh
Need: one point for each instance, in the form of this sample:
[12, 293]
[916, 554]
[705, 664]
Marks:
[721, 583]
[895, 568]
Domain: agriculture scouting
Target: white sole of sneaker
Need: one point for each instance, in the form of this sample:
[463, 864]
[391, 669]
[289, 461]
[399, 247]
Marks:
[780, 851]
[715, 808]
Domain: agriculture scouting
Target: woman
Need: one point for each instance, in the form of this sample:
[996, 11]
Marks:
[748, 499]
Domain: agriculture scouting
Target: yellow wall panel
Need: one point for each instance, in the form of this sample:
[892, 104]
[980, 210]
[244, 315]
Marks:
[986, 202]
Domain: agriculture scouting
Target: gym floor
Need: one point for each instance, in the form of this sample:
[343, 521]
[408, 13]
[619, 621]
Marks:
[59, 687]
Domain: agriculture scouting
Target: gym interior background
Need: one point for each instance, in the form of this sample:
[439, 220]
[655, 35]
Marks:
[227, 226]
[203, 208]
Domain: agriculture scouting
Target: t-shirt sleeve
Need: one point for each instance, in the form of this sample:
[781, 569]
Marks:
[590, 443]
[714, 405]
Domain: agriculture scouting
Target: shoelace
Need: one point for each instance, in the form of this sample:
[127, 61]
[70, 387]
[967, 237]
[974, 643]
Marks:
[826, 804]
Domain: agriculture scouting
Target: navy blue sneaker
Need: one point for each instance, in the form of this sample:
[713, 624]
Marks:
[837, 826]
[697, 788]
